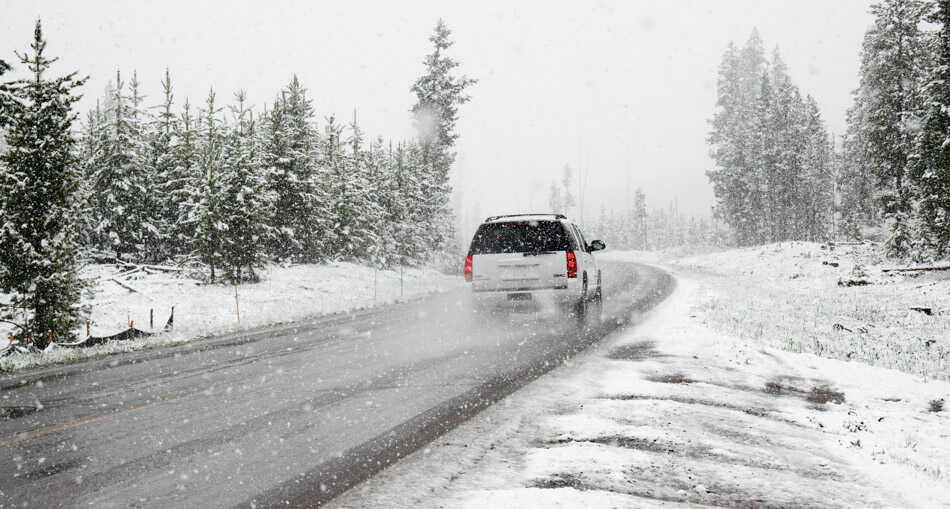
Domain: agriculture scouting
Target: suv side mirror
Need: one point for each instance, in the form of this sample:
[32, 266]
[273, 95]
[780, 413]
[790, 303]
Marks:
[596, 245]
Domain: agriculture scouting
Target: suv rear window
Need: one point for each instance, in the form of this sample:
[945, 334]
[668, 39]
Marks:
[520, 237]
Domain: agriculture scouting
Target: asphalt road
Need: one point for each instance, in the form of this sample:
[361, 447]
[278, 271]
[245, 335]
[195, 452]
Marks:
[284, 415]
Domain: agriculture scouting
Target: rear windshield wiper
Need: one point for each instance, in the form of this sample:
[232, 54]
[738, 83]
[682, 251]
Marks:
[536, 253]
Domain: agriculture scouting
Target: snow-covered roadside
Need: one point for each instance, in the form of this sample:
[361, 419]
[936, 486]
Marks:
[670, 412]
[285, 294]
[796, 296]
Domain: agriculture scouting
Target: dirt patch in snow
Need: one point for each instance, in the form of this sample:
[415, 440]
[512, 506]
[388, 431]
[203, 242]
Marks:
[563, 480]
[695, 450]
[639, 351]
[641, 444]
[754, 411]
[677, 492]
[676, 378]
[820, 393]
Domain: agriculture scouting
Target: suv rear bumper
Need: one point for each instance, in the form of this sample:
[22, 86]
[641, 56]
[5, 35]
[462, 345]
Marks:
[570, 292]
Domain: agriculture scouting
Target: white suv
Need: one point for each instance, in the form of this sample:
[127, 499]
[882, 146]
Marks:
[535, 257]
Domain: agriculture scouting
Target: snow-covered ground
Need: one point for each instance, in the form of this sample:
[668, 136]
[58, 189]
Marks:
[284, 294]
[674, 412]
[788, 295]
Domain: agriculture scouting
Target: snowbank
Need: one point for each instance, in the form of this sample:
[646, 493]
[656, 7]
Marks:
[284, 294]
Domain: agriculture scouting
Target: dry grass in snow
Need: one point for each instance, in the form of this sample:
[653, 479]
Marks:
[788, 296]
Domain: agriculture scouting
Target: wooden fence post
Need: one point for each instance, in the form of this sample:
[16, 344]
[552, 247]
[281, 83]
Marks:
[237, 303]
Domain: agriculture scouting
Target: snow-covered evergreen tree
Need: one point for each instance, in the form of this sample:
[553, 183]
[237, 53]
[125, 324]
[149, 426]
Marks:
[931, 168]
[245, 201]
[380, 192]
[90, 142]
[856, 182]
[893, 58]
[772, 179]
[816, 208]
[439, 93]
[162, 132]
[185, 170]
[730, 140]
[205, 192]
[640, 239]
[289, 153]
[120, 179]
[39, 178]
[362, 212]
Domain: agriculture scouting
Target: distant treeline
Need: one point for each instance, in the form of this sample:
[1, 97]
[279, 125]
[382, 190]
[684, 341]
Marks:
[659, 228]
[231, 188]
[776, 174]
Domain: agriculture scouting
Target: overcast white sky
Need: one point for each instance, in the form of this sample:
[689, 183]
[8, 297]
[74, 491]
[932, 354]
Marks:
[623, 89]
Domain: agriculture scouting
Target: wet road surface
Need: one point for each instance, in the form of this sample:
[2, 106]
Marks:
[284, 415]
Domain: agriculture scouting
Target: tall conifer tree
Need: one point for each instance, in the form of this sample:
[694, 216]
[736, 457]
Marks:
[439, 92]
[39, 177]
[931, 170]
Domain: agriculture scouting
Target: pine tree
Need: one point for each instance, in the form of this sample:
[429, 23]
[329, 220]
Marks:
[289, 150]
[816, 204]
[772, 177]
[151, 228]
[91, 140]
[892, 62]
[167, 184]
[205, 193]
[245, 203]
[931, 169]
[39, 178]
[734, 180]
[855, 180]
[120, 178]
[439, 93]
[642, 240]
[408, 230]
[339, 190]
[364, 209]
[185, 170]
[382, 195]
[762, 171]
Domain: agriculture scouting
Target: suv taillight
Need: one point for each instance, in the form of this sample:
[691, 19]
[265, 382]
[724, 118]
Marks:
[571, 265]
[468, 268]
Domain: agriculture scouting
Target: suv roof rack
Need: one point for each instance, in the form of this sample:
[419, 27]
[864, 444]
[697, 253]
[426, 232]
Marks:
[492, 218]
